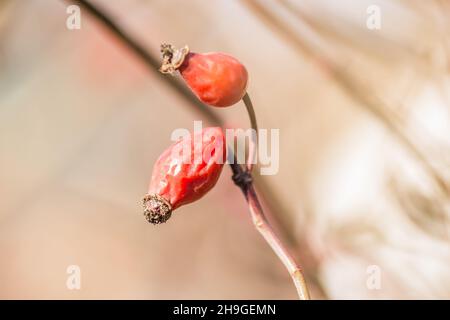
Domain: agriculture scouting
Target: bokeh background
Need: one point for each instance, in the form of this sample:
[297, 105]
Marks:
[364, 125]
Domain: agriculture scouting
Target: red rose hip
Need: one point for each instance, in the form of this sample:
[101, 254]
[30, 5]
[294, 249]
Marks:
[217, 79]
[184, 173]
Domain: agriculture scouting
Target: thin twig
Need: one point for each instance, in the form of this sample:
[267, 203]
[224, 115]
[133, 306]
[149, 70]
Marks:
[244, 181]
[242, 178]
[150, 61]
[253, 148]
[259, 219]
[153, 65]
[263, 226]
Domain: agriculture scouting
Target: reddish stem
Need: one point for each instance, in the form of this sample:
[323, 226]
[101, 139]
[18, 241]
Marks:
[244, 180]
[253, 148]
[241, 177]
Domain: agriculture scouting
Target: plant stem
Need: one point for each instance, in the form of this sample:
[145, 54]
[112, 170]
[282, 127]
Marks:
[263, 226]
[245, 182]
[253, 148]
[150, 61]
[358, 91]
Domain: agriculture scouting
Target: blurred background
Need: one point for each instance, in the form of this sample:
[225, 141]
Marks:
[364, 173]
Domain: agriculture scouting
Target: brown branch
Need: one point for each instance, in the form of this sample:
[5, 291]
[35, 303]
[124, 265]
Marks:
[244, 180]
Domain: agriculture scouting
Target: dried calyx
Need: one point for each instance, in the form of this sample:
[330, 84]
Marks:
[172, 58]
[156, 209]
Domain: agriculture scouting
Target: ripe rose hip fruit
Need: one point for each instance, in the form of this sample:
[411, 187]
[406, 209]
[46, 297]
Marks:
[217, 79]
[184, 173]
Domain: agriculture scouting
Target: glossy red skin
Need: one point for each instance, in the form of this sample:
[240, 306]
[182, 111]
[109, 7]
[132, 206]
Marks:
[181, 183]
[217, 79]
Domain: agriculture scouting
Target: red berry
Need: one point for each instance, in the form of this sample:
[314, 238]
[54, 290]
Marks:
[217, 79]
[184, 173]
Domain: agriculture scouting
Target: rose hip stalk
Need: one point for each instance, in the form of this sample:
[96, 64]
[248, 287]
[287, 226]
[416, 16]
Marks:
[184, 173]
[220, 80]
[158, 205]
[217, 79]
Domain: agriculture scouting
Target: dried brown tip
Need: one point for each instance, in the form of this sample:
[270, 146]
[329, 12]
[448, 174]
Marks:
[172, 58]
[156, 209]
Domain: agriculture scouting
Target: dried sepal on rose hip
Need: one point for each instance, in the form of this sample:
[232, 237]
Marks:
[184, 173]
[217, 79]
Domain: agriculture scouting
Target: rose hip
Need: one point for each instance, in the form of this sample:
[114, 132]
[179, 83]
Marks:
[184, 173]
[217, 79]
